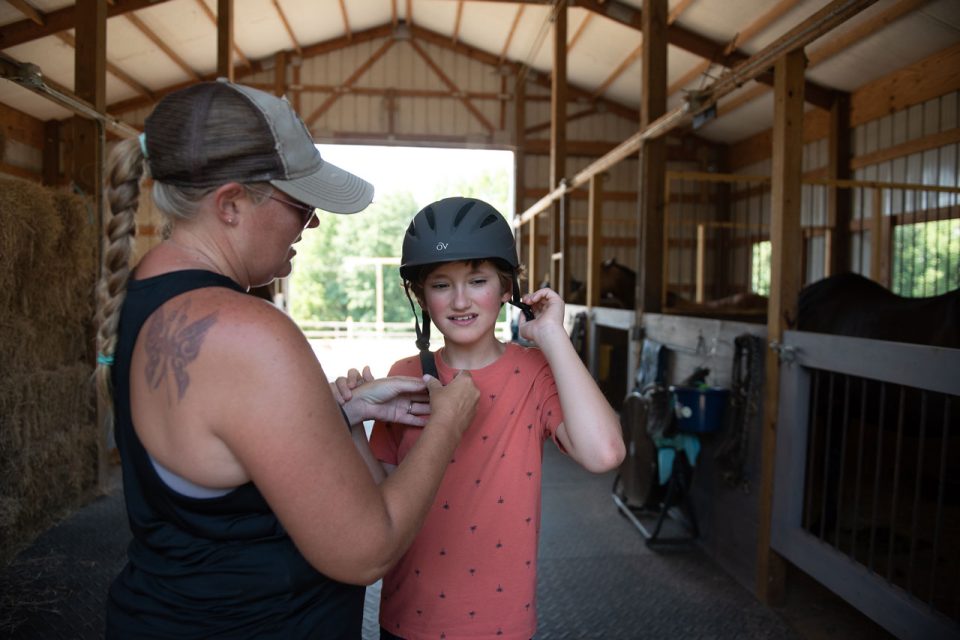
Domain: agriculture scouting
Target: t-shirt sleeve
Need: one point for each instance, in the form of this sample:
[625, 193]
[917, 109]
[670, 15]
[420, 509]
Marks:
[548, 400]
[385, 437]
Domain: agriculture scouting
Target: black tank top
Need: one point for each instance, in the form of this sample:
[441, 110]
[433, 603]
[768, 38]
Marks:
[208, 568]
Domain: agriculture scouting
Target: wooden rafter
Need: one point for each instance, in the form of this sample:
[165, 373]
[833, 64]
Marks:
[862, 30]
[751, 30]
[163, 46]
[678, 10]
[513, 29]
[356, 75]
[629, 60]
[213, 20]
[346, 20]
[61, 20]
[112, 68]
[543, 126]
[692, 42]
[833, 47]
[29, 11]
[479, 55]
[576, 36]
[452, 86]
[289, 29]
[456, 22]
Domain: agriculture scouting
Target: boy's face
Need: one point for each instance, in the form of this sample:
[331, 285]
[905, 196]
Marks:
[464, 300]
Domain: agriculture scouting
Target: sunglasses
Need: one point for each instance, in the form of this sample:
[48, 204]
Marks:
[306, 211]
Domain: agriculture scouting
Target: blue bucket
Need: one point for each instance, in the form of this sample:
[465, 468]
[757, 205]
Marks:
[700, 410]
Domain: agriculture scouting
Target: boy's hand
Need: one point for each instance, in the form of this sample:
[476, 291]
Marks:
[548, 315]
[343, 386]
[454, 404]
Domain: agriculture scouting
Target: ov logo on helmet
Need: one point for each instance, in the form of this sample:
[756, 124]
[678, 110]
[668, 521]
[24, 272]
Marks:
[442, 245]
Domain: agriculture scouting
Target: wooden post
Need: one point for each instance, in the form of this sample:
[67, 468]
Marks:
[51, 152]
[880, 233]
[785, 277]
[559, 237]
[653, 104]
[519, 176]
[594, 232]
[837, 253]
[701, 275]
[225, 39]
[86, 160]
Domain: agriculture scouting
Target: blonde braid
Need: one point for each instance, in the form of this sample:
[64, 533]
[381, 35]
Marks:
[123, 193]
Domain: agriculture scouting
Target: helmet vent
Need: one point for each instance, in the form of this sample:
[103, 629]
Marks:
[462, 213]
[431, 218]
[488, 220]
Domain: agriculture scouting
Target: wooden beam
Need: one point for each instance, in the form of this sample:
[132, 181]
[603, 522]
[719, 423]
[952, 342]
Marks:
[839, 201]
[32, 14]
[452, 86]
[623, 66]
[560, 231]
[61, 20]
[289, 29]
[456, 22]
[862, 30]
[212, 17]
[112, 68]
[162, 45]
[936, 75]
[513, 29]
[543, 126]
[225, 39]
[594, 237]
[587, 17]
[767, 18]
[280, 73]
[838, 44]
[346, 20]
[356, 75]
[785, 280]
[678, 10]
[653, 105]
[51, 152]
[393, 13]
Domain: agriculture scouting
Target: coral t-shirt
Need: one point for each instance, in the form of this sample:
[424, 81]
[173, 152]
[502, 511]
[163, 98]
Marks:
[472, 570]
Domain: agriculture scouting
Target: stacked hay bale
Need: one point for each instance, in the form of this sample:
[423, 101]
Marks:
[48, 434]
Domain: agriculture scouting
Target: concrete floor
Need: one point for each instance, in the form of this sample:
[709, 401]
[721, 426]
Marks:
[597, 578]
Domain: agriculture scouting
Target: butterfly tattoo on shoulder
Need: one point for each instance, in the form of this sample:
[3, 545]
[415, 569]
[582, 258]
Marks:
[173, 342]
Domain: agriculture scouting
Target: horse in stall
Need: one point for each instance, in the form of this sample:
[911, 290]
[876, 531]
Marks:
[851, 305]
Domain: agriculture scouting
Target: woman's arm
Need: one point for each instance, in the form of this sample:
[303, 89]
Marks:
[292, 443]
[590, 432]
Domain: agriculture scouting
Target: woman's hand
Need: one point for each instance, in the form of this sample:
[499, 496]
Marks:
[454, 404]
[398, 399]
[548, 316]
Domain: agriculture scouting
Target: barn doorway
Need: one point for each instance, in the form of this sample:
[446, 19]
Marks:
[345, 290]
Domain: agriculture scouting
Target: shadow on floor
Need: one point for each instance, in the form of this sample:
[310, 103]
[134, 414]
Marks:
[597, 578]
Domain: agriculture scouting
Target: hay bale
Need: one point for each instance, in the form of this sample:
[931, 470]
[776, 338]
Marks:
[29, 231]
[48, 451]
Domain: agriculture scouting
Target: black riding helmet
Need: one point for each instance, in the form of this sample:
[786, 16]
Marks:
[456, 230]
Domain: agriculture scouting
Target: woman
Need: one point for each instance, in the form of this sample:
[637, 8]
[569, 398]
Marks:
[253, 514]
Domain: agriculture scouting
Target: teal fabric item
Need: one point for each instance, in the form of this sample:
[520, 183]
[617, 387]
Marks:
[667, 452]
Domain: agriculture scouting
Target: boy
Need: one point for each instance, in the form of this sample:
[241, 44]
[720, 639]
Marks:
[471, 572]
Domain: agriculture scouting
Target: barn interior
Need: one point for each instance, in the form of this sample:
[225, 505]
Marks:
[765, 189]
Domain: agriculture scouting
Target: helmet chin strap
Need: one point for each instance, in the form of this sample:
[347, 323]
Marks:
[515, 301]
[427, 363]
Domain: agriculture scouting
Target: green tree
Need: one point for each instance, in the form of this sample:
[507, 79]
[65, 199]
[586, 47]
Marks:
[327, 285]
[926, 258]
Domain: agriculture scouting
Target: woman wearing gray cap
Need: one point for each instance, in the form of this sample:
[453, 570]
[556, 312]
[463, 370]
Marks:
[252, 513]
